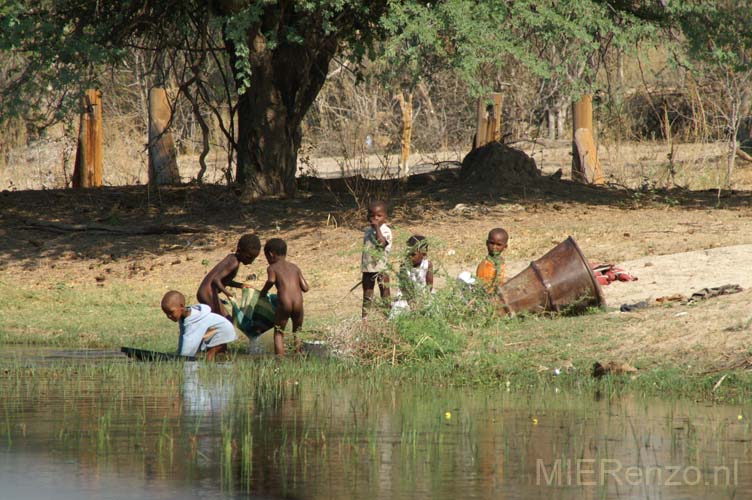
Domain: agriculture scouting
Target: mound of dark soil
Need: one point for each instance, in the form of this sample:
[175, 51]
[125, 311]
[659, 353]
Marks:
[497, 165]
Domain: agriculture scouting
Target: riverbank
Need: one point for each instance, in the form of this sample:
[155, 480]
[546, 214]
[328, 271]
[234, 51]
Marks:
[80, 288]
[698, 351]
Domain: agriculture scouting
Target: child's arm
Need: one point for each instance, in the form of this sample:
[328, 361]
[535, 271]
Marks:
[180, 342]
[380, 238]
[240, 284]
[429, 277]
[223, 269]
[209, 333]
[303, 283]
[271, 279]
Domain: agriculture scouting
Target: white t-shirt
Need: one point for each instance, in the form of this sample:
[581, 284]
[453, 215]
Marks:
[194, 327]
[418, 274]
[375, 257]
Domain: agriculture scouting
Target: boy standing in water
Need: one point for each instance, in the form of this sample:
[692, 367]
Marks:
[290, 287]
[377, 243]
[223, 274]
[492, 268]
[199, 327]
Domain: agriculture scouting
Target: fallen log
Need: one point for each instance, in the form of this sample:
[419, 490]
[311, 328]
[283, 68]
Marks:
[743, 155]
[60, 227]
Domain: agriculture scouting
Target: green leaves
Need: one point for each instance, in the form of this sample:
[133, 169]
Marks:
[50, 52]
[552, 39]
[718, 32]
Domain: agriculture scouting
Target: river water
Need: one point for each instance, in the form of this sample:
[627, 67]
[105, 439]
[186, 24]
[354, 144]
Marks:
[93, 425]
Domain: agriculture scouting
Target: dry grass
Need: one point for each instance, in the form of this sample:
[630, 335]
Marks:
[324, 235]
[40, 165]
[715, 332]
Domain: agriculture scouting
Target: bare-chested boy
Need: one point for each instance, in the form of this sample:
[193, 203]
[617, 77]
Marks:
[290, 287]
[223, 274]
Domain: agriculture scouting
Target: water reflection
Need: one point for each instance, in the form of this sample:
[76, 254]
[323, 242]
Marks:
[204, 395]
[171, 430]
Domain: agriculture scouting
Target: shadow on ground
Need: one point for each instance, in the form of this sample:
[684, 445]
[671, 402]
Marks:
[210, 210]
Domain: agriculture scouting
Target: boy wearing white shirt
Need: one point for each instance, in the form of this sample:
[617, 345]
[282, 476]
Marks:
[199, 327]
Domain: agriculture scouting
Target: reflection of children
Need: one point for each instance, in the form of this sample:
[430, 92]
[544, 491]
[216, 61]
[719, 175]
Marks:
[290, 287]
[491, 270]
[199, 327]
[416, 273]
[377, 243]
[223, 274]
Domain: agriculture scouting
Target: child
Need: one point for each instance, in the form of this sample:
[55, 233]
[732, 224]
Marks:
[377, 243]
[290, 287]
[199, 327]
[416, 273]
[491, 270]
[223, 274]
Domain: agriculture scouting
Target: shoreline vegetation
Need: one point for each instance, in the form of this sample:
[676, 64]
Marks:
[443, 343]
[91, 289]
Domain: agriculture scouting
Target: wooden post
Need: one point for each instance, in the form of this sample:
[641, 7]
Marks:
[88, 169]
[163, 163]
[495, 132]
[406, 107]
[481, 123]
[488, 125]
[585, 165]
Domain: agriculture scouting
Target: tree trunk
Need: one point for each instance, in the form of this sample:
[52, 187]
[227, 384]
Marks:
[280, 54]
[88, 168]
[406, 109]
[551, 116]
[620, 68]
[163, 163]
[733, 144]
[284, 82]
[585, 165]
[205, 133]
[561, 117]
[431, 112]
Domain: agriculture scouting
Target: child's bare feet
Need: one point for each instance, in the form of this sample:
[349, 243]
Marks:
[213, 351]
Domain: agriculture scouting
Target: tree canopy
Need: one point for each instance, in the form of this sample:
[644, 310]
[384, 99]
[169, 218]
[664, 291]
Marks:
[274, 56]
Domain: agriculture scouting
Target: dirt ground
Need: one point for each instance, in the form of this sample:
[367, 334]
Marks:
[674, 241]
[695, 166]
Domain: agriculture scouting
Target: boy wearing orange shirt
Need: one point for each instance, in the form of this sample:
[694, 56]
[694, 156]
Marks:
[492, 268]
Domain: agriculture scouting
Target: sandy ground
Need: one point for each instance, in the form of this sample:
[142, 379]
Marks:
[674, 241]
[682, 273]
[39, 166]
[689, 246]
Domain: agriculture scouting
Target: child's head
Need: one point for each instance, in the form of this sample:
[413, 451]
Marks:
[496, 241]
[248, 249]
[417, 249]
[274, 249]
[173, 305]
[377, 212]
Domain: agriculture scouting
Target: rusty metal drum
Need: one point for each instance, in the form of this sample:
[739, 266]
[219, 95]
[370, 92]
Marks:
[559, 281]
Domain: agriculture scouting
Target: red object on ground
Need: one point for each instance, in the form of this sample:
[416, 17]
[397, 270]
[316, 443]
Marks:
[608, 273]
